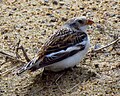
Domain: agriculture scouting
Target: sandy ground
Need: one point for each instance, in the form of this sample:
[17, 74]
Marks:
[32, 21]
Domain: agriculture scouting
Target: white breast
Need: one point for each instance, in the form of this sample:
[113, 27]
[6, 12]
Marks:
[69, 62]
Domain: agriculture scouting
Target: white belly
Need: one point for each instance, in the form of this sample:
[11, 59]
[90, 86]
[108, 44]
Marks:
[69, 62]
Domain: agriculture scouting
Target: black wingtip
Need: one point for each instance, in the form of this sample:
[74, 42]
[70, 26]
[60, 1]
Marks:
[27, 66]
[20, 71]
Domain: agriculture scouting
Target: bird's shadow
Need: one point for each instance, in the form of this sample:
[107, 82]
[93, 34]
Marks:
[58, 83]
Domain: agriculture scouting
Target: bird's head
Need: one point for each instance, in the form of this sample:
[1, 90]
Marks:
[79, 23]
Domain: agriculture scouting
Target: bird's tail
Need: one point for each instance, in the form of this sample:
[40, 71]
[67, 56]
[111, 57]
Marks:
[32, 66]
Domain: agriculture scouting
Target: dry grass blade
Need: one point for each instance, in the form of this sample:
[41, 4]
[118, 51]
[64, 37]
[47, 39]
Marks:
[57, 83]
[73, 87]
[10, 57]
[18, 47]
[8, 71]
[24, 53]
[115, 41]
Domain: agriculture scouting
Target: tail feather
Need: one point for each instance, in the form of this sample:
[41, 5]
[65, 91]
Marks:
[32, 66]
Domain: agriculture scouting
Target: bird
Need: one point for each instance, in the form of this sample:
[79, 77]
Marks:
[63, 49]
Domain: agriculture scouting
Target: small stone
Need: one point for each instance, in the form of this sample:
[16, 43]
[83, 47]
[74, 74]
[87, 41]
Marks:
[100, 28]
[46, 1]
[91, 74]
[97, 46]
[55, 2]
[27, 37]
[10, 14]
[43, 21]
[98, 38]
[94, 8]
[96, 65]
[5, 37]
[64, 19]
[61, 3]
[25, 28]
[106, 54]
[50, 25]
[49, 15]
[1, 91]
[118, 16]
[50, 8]
[53, 20]
[2, 32]
[43, 33]
[111, 15]
[81, 8]
[115, 21]
[14, 9]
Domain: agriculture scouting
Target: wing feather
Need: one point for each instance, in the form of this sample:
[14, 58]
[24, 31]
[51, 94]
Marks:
[61, 40]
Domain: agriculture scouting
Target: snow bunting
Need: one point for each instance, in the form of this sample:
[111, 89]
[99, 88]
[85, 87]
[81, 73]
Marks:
[64, 49]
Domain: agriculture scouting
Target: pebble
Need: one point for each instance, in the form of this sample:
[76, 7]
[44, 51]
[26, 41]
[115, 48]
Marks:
[64, 19]
[10, 14]
[106, 54]
[61, 3]
[50, 15]
[27, 37]
[96, 65]
[5, 37]
[50, 8]
[43, 32]
[55, 2]
[14, 9]
[100, 28]
[46, 1]
[97, 46]
[81, 8]
[53, 20]
[94, 8]
[118, 16]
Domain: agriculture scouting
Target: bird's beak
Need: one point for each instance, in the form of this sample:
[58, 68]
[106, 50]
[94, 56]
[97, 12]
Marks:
[89, 22]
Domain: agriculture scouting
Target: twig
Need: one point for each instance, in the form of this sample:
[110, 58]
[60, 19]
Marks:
[60, 88]
[73, 87]
[63, 91]
[95, 50]
[59, 77]
[24, 53]
[16, 49]
[57, 83]
[4, 62]
[8, 56]
[8, 71]
[23, 50]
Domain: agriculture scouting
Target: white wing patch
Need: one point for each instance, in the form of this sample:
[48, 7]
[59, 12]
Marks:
[62, 51]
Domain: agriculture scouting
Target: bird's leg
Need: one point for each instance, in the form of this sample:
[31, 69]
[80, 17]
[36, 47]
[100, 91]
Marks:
[44, 74]
[75, 66]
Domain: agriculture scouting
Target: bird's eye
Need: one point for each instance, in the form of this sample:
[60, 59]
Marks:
[80, 21]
